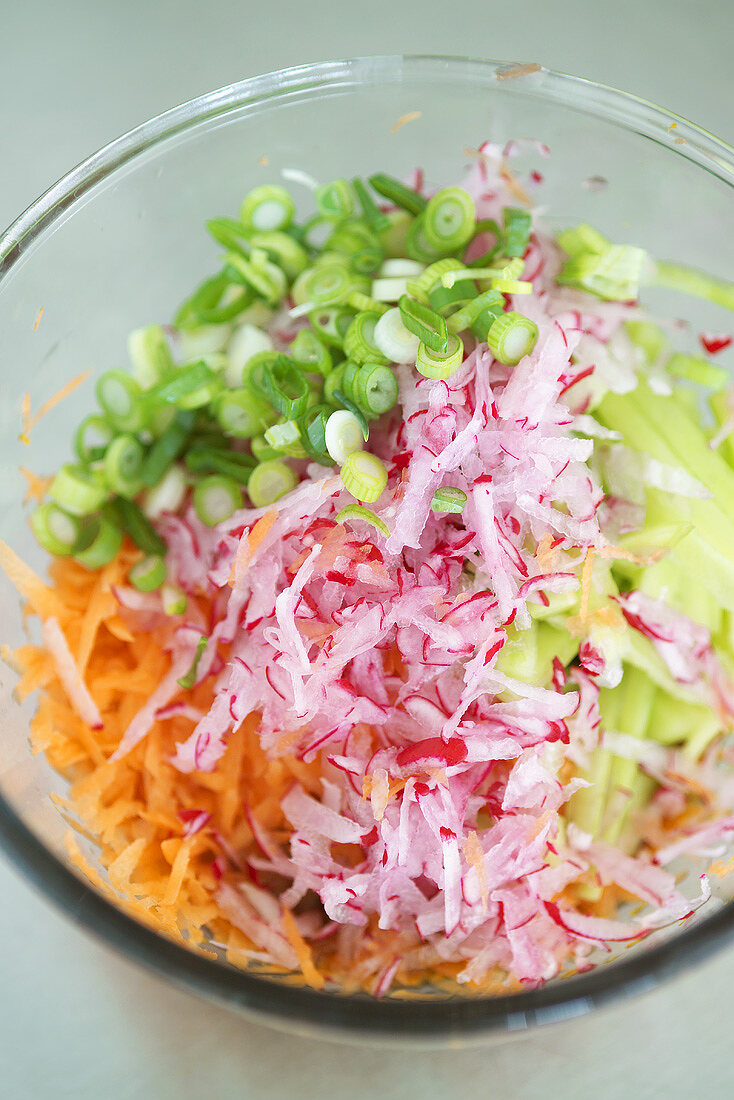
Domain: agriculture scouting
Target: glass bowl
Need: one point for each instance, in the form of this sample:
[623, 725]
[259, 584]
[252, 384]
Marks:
[118, 242]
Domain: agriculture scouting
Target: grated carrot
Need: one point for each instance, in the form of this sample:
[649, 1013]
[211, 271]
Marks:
[474, 854]
[42, 599]
[29, 422]
[38, 318]
[37, 486]
[302, 950]
[411, 116]
[249, 544]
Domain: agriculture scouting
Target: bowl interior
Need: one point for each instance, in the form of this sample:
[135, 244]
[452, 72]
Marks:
[119, 245]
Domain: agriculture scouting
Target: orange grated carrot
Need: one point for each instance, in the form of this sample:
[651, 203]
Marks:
[302, 950]
[411, 116]
[519, 70]
[29, 422]
[474, 854]
[37, 486]
[42, 599]
[38, 318]
[249, 544]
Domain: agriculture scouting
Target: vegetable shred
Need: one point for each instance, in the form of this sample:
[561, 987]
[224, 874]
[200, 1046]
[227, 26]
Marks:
[389, 633]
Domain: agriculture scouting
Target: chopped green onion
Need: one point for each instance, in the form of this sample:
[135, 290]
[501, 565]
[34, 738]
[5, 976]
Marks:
[335, 199]
[447, 299]
[511, 337]
[699, 371]
[343, 435]
[417, 245]
[205, 459]
[364, 476]
[241, 414]
[92, 438]
[357, 511]
[397, 193]
[286, 439]
[331, 324]
[325, 284]
[581, 239]
[487, 225]
[167, 495]
[190, 388]
[312, 426]
[123, 464]
[613, 274]
[253, 372]
[167, 448]
[78, 490]
[376, 388]
[448, 499]
[517, 230]
[394, 239]
[689, 280]
[349, 378]
[174, 600]
[489, 301]
[230, 233]
[206, 297]
[449, 219]
[309, 353]
[425, 323]
[359, 341]
[135, 524]
[362, 302]
[119, 398]
[351, 406]
[261, 449]
[283, 251]
[216, 498]
[56, 530]
[408, 269]
[269, 481]
[99, 543]
[421, 286]
[357, 241]
[397, 343]
[647, 336]
[148, 574]
[389, 290]
[201, 340]
[149, 354]
[334, 382]
[188, 679]
[246, 341]
[285, 387]
[436, 364]
[263, 276]
[376, 220]
[267, 208]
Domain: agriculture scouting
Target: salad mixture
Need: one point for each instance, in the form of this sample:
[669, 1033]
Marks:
[390, 629]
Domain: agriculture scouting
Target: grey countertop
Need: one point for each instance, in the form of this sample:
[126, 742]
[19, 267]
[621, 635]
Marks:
[76, 1020]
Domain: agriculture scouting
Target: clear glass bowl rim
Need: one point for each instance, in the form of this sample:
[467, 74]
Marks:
[354, 1017]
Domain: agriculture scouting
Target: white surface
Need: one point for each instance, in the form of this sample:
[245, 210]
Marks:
[74, 1019]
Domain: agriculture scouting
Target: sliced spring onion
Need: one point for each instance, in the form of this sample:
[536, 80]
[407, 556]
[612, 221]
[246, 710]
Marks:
[343, 435]
[389, 290]
[123, 465]
[334, 382]
[312, 426]
[359, 341]
[119, 397]
[447, 299]
[448, 499]
[613, 274]
[205, 458]
[417, 246]
[436, 364]
[148, 574]
[92, 438]
[420, 286]
[230, 233]
[357, 241]
[137, 526]
[309, 353]
[173, 599]
[349, 378]
[78, 490]
[376, 220]
[99, 543]
[167, 448]
[253, 372]
[358, 512]
[149, 354]
[516, 224]
[647, 336]
[394, 239]
[258, 272]
[188, 679]
[582, 238]
[168, 495]
[397, 343]
[487, 225]
[206, 297]
[335, 200]
[261, 449]
[345, 402]
[331, 324]
[489, 301]
[425, 323]
[286, 439]
[376, 388]
[449, 219]
[269, 481]
[408, 269]
[364, 476]
[267, 208]
[191, 387]
[362, 302]
[56, 530]
[511, 337]
[216, 498]
[195, 342]
[242, 414]
[283, 251]
[697, 370]
[326, 284]
[285, 387]
[397, 193]
[246, 340]
[689, 280]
